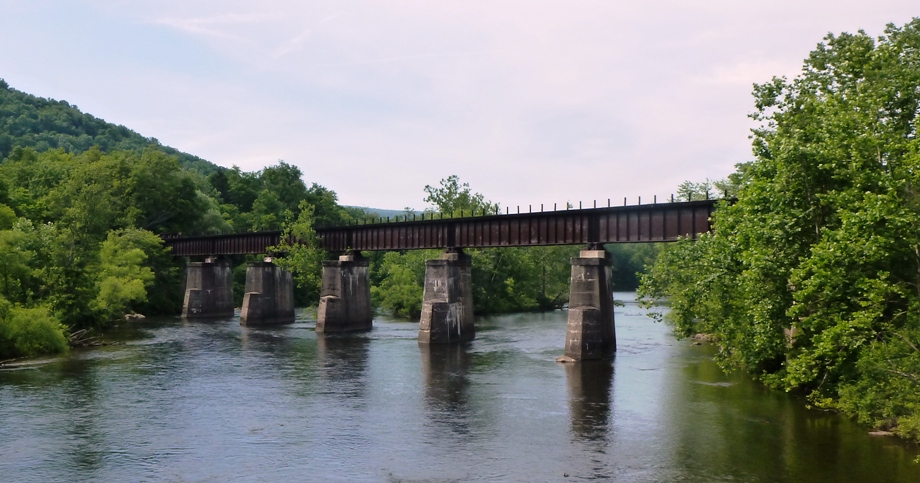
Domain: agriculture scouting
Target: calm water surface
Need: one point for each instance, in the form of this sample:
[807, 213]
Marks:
[213, 401]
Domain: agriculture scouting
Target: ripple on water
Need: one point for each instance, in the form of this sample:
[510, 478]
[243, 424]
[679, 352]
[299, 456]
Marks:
[213, 401]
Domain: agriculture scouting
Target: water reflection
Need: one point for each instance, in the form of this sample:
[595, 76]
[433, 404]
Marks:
[590, 384]
[85, 425]
[343, 362]
[217, 402]
[445, 371]
[727, 427]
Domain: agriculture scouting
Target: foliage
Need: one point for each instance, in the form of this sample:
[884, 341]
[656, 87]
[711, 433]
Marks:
[402, 276]
[26, 332]
[628, 261]
[811, 278]
[456, 198]
[7, 217]
[690, 191]
[301, 253]
[82, 202]
[27, 121]
[15, 272]
[503, 280]
[94, 192]
[123, 277]
[264, 200]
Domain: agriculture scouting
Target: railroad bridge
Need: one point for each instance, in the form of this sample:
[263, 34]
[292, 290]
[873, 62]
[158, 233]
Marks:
[447, 307]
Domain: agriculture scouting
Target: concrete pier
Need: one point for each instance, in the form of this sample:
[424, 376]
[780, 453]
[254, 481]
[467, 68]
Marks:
[590, 333]
[447, 303]
[208, 289]
[269, 297]
[345, 296]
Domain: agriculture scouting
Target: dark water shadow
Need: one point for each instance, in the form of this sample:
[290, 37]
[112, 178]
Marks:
[342, 360]
[445, 371]
[590, 386]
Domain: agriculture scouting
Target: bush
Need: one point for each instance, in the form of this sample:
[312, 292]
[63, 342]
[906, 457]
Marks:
[27, 332]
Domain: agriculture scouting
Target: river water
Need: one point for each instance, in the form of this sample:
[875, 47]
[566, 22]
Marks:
[212, 401]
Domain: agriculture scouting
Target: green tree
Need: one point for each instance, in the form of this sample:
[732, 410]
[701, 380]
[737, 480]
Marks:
[453, 197]
[15, 272]
[285, 181]
[301, 252]
[122, 276]
[163, 195]
[27, 332]
[629, 261]
[7, 217]
[401, 278]
[810, 280]
[503, 279]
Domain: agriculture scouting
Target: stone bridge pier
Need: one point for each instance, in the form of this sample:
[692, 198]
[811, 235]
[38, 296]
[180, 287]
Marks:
[345, 296]
[208, 289]
[269, 297]
[447, 303]
[590, 332]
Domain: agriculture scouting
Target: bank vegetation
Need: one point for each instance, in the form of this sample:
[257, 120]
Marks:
[811, 279]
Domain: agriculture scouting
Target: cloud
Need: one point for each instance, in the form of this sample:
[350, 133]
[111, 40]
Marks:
[216, 26]
[519, 98]
[291, 44]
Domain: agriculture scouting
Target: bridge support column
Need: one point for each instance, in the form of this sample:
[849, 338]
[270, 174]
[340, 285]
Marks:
[447, 303]
[590, 333]
[345, 297]
[269, 295]
[208, 289]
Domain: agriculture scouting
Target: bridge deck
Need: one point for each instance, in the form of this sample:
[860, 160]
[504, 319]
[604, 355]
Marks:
[623, 224]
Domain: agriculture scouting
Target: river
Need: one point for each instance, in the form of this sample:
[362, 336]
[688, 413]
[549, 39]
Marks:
[189, 401]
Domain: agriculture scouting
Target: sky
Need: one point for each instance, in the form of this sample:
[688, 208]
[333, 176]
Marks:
[530, 102]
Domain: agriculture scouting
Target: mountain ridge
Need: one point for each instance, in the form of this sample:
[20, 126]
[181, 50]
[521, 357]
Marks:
[30, 121]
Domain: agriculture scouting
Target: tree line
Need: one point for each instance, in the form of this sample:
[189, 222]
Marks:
[28, 121]
[83, 202]
[811, 278]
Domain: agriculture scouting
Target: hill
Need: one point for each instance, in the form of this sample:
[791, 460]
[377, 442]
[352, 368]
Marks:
[381, 212]
[28, 121]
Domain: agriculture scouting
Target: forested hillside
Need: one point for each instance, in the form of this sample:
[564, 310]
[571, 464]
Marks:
[81, 204]
[28, 121]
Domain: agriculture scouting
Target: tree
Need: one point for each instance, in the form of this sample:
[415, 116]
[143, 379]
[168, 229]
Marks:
[503, 279]
[301, 253]
[267, 212]
[285, 181]
[27, 332]
[7, 217]
[454, 197]
[123, 278]
[163, 195]
[402, 276]
[810, 280]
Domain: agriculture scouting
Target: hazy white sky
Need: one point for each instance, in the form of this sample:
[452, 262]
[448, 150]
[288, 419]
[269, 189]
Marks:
[528, 101]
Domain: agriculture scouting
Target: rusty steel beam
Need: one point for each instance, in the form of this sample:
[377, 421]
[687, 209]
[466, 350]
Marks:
[623, 224]
[233, 244]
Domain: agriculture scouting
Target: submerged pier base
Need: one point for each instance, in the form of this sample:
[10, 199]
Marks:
[447, 303]
[345, 297]
[208, 289]
[590, 333]
[269, 295]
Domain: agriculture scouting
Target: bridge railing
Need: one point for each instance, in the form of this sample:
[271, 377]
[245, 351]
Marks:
[429, 215]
